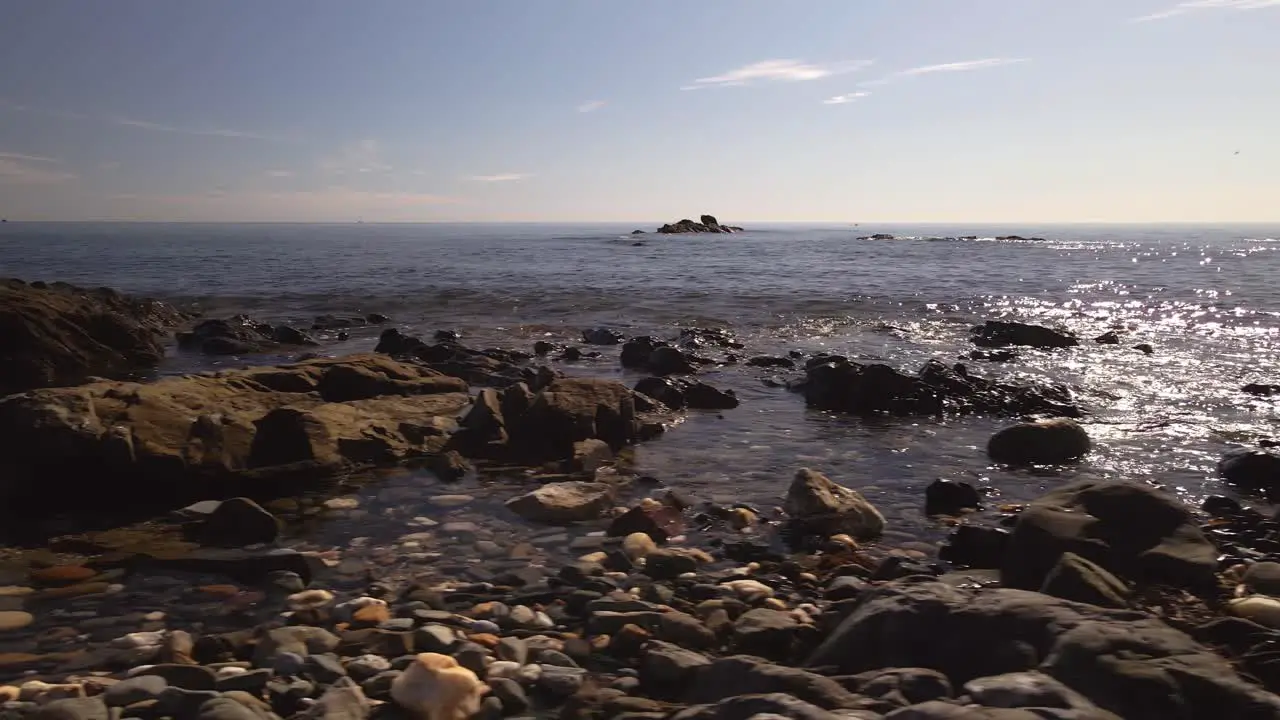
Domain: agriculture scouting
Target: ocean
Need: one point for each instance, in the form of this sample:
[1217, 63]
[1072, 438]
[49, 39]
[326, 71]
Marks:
[1205, 297]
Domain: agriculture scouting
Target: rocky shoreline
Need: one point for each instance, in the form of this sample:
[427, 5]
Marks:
[589, 591]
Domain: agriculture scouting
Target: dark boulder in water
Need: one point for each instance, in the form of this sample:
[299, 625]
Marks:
[1110, 337]
[1261, 389]
[945, 497]
[59, 334]
[602, 336]
[678, 394]
[993, 355]
[1145, 348]
[1045, 442]
[1254, 470]
[998, 333]
[240, 335]
[835, 383]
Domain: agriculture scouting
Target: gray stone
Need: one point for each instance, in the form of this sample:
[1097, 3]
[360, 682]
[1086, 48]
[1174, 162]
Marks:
[324, 668]
[1027, 690]
[472, 657]
[238, 522]
[297, 639]
[344, 700]
[904, 686]
[561, 681]
[557, 658]
[135, 690]
[287, 664]
[435, 638]
[378, 687]
[563, 502]
[818, 506]
[511, 695]
[512, 648]
[764, 632]
[253, 681]
[73, 709]
[730, 676]
[181, 703]
[1134, 531]
[222, 708]
[187, 677]
[1263, 578]
[1075, 578]
[366, 666]
[669, 668]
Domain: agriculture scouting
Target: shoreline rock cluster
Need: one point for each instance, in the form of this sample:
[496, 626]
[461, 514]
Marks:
[1100, 600]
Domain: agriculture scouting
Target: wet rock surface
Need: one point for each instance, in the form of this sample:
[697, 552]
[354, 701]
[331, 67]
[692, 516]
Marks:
[241, 335]
[58, 334]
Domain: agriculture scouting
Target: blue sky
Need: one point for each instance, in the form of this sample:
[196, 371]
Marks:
[605, 110]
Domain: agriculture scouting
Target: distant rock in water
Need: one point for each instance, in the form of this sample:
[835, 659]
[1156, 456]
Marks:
[240, 335]
[878, 236]
[59, 334]
[707, 224]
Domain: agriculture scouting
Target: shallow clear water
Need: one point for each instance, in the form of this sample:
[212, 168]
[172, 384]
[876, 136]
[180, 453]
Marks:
[1205, 297]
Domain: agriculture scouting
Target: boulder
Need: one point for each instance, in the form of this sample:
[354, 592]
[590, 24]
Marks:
[1043, 442]
[240, 335]
[637, 351]
[1125, 662]
[1133, 531]
[834, 383]
[666, 360]
[601, 336]
[1261, 389]
[730, 676]
[997, 333]
[818, 506]
[947, 497]
[1075, 578]
[680, 393]
[563, 502]
[58, 334]
[708, 224]
[237, 522]
[976, 546]
[252, 432]
[1253, 470]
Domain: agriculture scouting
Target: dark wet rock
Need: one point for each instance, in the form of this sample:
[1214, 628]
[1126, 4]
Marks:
[767, 633]
[187, 677]
[656, 519]
[680, 393]
[637, 351]
[707, 224]
[240, 335]
[235, 432]
[1221, 506]
[1261, 390]
[948, 497]
[771, 361]
[1134, 531]
[1253, 470]
[449, 466]
[343, 322]
[324, 668]
[238, 522]
[818, 506]
[666, 360]
[563, 502]
[542, 347]
[602, 336]
[903, 686]
[669, 563]
[835, 383]
[59, 334]
[1075, 578]
[1145, 348]
[764, 707]
[667, 668]
[976, 546]
[1111, 337]
[492, 367]
[1043, 442]
[510, 694]
[344, 700]
[997, 333]
[1125, 662]
[446, 336]
[844, 587]
[226, 708]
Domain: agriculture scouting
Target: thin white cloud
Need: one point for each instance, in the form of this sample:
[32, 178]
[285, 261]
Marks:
[19, 169]
[591, 106]
[1183, 8]
[362, 157]
[772, 71]
[500, 178]
[333, 203]
[28, 158]
[206, 132]
[959, 66]
[845, 99]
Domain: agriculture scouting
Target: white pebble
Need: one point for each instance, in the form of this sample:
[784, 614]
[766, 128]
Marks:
[504, 669]
[139, 639]
[230, 671]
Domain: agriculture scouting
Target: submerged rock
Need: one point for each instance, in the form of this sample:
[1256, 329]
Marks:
[58, 334]
[226, 433]
[1044, 442]
[563, 502]
[679, 394]
[818, 506]
[998, 333]
[835, 383]
[240, 335]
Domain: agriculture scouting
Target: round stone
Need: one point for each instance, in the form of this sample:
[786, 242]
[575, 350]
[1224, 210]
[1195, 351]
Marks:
[15, 620]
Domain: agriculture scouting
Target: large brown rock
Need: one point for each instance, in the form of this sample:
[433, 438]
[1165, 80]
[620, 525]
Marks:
[818, 506]
[59, 334]
[223, 434]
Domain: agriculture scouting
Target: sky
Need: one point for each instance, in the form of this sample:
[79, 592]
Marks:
[653, 110]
